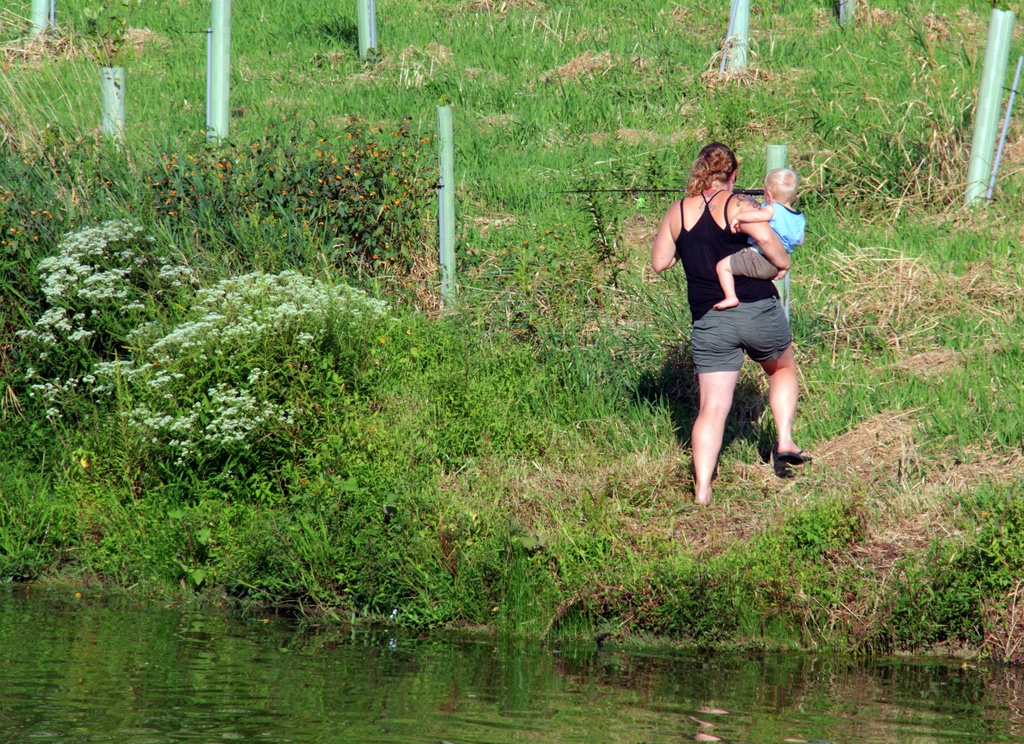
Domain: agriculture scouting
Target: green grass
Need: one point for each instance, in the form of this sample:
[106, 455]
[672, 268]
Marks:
[519, 461]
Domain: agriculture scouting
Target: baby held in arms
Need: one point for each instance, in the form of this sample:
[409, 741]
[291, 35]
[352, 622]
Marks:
[779, 191]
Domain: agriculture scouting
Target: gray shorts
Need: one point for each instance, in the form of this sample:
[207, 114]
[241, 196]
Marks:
[749, 262]
[722, 336]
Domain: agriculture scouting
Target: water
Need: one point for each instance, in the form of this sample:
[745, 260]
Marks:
[92, 669]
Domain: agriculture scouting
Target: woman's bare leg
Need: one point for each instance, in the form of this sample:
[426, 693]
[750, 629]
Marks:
[716, 390]
[783, 391]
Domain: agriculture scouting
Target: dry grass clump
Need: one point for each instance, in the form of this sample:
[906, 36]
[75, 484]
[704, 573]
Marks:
[697, 23]
[45, 46]
[501, 7]
[423, 280]
[973, 468]
[637, 236]
[876, 451]
[637, 490]
[929, 364]
[879, 16]
[713, 77]
[414, 66]
[1004, 633]
[57, 43]
[937, 26]
[486, 222]
[587, 65]
[901, 300]
[1013, 150]
[142, 37]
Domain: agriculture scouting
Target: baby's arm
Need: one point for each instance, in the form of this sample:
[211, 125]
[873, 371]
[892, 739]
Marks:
[752, 214]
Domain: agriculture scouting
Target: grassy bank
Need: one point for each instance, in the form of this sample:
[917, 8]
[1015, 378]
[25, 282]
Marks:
[229, 369]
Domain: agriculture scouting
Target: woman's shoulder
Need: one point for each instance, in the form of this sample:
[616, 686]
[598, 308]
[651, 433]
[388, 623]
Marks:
[738, 202]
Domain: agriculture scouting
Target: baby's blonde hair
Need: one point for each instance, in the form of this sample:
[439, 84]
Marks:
[783, 183]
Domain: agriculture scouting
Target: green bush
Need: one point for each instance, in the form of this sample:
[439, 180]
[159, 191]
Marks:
[360, 196]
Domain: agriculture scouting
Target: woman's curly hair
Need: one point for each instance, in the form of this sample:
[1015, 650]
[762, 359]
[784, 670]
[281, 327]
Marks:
[715, 163]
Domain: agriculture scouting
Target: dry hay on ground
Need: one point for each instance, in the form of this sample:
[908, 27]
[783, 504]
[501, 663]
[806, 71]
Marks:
[486, 222]
[141, 37]
[415, 66]
[640, 488]
[714, 77]
[54, 43]
[883, 451]
[937, 26]
[587, 65]
[637, 136]
[45, 45]
[501, 7]
[970, 469]
[878, 16]
[824, 20]
[930, 364]
[874, 451]
[899, 298]
[696, 23]
[1013, 150]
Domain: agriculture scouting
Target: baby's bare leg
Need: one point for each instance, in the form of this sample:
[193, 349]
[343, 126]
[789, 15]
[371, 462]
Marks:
[726, 279]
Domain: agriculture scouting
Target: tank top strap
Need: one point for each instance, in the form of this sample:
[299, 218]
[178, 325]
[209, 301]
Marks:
[725, 209]
[707, 202]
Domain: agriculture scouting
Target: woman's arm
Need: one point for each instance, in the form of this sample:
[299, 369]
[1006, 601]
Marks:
[761, 232]
[663, 253]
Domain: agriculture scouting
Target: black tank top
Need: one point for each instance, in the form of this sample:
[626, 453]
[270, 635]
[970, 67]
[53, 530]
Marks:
[700, 249]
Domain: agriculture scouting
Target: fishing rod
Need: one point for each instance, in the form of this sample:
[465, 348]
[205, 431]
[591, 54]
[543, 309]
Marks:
[747, 192]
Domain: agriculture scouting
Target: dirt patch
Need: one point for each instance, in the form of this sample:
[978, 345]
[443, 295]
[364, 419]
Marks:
[587, 65]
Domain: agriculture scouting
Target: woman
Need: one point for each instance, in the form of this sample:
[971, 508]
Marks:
[695, 231]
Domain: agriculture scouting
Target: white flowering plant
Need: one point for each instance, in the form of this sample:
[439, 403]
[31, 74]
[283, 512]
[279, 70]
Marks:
[103, 282]
[230, 382]
[101, 285]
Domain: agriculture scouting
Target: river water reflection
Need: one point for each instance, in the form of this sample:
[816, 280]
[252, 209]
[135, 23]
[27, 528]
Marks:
[92, 669]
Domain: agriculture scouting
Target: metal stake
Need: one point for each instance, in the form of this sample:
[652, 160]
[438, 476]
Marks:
[1006, 125]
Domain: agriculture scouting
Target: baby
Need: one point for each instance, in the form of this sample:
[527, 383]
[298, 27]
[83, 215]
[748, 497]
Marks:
[779, 191]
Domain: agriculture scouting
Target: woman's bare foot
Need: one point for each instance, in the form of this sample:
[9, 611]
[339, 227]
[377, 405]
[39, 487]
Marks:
[727, 303]
[702, 499]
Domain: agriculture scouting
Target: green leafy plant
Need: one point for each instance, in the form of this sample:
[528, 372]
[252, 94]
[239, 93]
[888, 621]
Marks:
[106, 31]
[360, 195]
